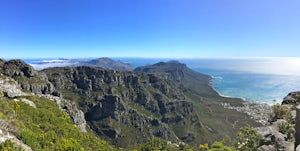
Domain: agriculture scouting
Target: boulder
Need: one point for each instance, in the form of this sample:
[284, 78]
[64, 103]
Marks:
[266, 148]
[10, 88]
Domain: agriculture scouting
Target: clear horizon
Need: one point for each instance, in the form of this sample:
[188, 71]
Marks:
[149, 29]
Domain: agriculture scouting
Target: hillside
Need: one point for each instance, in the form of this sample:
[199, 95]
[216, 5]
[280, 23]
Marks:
[165, 100]
[107, 63]
[31, 121]
[168, 100]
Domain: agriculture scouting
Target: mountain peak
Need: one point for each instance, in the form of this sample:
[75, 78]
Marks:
[170, 63]
[109, 63]
[18, 67]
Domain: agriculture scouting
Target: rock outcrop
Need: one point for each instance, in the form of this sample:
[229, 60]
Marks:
[18, 75]
[6, 135]
[10, 88]
[27, 77]
[280, 135]
[292, 98]
[273, 139]
[297, 126]
[26, 101]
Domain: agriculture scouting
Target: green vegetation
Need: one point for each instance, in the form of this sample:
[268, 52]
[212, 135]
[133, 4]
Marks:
[247, 140]
[47, 127]
[280, 112]
[216, 146]
[157, 144]
[8, 145]
[288, 129]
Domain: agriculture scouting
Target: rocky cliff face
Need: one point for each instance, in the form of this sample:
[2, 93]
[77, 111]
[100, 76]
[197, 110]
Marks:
[115, 101]
[18, 76]
[153, 101]
[185, 78]
[27, 77]
[283, 131]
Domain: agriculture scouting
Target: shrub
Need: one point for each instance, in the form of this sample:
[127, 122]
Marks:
[280, 112]
[48, 128]
[216, 146]
[247, 139]
[8, 145]
[158, 144]
[288, 129]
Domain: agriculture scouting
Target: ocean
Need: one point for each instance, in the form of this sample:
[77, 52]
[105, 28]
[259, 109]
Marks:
[261, 80]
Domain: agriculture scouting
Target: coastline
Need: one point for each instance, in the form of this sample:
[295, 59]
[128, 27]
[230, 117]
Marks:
[220, 94]
[258, 111]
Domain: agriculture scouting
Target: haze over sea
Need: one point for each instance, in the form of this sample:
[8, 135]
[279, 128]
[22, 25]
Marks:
[260, 80]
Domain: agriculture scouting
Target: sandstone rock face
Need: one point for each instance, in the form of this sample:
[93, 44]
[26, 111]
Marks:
[19, 75]
[144, 102]
[266, 148]
[27, 77]
[113, 107]
[273, 139]
[18, 68]
[10, 88]
[298, 148]
[30, 103]
[297, 126]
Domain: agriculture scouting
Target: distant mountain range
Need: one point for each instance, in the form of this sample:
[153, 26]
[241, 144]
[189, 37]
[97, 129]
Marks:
[106, 63]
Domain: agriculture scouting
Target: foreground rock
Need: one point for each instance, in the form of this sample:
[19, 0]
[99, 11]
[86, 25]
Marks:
[273, 139]
[27, 77]
[6, 135]
[292, 98]
[10, 88]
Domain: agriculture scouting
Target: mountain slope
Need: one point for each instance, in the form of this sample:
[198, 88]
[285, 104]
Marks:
[216, 120]
[165, 100]
[126, 107]
[107, 63]
[34, 122]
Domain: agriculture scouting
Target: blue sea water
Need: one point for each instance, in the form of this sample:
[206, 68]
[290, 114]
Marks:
[254, 87]
[253, 79]
[264, 80]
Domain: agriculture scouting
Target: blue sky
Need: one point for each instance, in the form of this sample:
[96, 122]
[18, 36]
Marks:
[149, 28]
